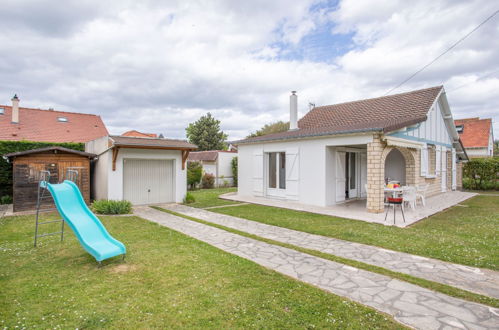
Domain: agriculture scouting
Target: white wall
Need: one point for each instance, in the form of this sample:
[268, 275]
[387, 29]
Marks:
[314, 172]
[477, 152]
[100, 169]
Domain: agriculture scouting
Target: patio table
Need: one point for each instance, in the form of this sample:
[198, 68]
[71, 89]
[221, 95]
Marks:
[394, 191]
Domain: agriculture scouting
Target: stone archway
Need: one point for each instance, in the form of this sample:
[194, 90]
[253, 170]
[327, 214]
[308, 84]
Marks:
[410, 162]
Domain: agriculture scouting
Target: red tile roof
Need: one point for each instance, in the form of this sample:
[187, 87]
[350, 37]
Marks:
[135, 133]
[44, 126]
[476, 132]
[387, 113]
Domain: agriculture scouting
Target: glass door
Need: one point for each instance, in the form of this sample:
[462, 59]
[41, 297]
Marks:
[276, 174]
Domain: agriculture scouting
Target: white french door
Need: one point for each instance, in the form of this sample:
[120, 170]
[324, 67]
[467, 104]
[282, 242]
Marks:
[340, 176]
[276, 174]
[352, 174]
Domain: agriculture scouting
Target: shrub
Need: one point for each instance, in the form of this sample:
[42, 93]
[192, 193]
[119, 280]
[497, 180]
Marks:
[194, 174]
[481, 174]
[105, 206]
[189, 198]
[233, 164]
[6, 199]
[208, 181]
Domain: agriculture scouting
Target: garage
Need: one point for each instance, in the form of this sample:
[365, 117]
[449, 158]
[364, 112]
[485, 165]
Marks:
[141, 170]
[148, 181]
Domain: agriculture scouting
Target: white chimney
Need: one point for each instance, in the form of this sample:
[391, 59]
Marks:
[15, 109]
[293, 111]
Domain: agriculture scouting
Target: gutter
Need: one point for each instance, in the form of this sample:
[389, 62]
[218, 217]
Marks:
[313, 135]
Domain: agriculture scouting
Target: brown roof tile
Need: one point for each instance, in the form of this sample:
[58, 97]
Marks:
[43, 125]
[139, 134]
[385, 114]
[476, 132]
[124, 141]
[210, 155]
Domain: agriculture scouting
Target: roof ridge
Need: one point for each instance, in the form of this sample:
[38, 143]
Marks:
[48, 110]
[378, 97]
[146, 137]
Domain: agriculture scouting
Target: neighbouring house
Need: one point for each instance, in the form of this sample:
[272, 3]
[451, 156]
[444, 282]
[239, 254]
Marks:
[57, 160]
[140, 170]
[134, 133]
[216, 163]
[18, 124]
[477, 136]
[335, 152]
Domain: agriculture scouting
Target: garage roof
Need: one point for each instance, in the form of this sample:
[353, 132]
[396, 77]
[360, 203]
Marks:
[48, 149]
[151, 143]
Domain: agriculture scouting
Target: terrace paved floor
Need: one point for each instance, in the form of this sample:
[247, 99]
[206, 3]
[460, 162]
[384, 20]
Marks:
[356, 209]
[482, 281]
[407, 303]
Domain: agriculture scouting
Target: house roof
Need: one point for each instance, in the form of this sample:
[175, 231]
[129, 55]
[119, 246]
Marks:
[53, 149]
[44, 125]
[385, 114]
[476, 132]
[210, 155]
[139, 134]
[152, 143]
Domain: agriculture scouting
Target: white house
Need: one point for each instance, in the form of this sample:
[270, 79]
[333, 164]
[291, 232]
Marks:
[477, 136]
[140, 170]
[334, 152]
[217, 163]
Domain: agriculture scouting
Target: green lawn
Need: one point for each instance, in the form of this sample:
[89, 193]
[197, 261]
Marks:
[465, 234]
[168, 280]
[209, 197]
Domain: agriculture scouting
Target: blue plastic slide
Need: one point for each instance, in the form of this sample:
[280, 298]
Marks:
[88, 229]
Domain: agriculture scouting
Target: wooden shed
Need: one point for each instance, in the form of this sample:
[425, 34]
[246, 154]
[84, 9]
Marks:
[28, 164]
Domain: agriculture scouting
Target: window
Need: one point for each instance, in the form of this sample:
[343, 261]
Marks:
[277, 170]
[282, 170]
[459, 128]
[272, 170]
[2, 111]
[432, 159]
[62, 119]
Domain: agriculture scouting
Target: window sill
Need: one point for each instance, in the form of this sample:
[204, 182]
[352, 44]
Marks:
[434, 176]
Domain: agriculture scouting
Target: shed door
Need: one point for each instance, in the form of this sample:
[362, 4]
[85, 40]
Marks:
[148, 181]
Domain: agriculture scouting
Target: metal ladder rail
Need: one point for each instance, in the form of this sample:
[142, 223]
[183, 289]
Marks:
[45, 176]
[72, 175]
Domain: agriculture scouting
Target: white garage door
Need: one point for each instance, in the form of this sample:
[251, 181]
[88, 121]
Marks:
[148, 181]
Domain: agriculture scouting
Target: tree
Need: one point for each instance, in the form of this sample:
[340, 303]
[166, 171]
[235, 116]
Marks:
[194, 174]
[277, 127]
[496, 148]
[233, 165]
[206, 133]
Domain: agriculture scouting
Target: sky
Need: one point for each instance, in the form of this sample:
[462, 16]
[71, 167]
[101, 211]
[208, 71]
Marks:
[156, 66]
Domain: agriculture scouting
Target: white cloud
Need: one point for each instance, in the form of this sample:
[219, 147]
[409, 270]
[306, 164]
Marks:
[156, 67]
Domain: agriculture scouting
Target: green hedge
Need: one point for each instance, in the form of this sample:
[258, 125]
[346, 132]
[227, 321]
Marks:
[6, 147]
[481, 174]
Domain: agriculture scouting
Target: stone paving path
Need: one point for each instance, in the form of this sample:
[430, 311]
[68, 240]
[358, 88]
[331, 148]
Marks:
[407, 303]
[482, 281]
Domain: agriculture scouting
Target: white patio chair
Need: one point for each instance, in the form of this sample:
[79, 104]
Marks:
[409, 195]
[421, 193]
